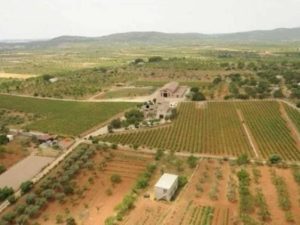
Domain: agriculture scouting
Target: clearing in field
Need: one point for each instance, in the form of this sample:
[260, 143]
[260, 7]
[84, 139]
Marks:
[218, 129]
[63, 117]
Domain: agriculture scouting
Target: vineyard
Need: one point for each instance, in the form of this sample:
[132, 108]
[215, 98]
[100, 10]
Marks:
[269, 129]
[63, 117]
[215, 128]
[294, 115]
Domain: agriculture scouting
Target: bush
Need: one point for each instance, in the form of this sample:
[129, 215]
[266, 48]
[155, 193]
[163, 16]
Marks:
[116, 123]
[26, 187]
[274, 159]
[5, 193]
[2, 168]
[30, 199]
[115, 178]
[3, 140]
[159, 154]
[12, 199]
[198, 96]
[134, 116]
[151, 167]
[182, 181]
[9, 217]
[155, 59]
[192, 161]
[242, 159]
[142, 182]
[71, 221]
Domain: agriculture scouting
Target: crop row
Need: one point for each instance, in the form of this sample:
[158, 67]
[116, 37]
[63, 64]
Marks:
[216, 129]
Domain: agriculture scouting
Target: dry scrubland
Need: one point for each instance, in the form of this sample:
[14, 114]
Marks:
[218, 128]
[62, 117]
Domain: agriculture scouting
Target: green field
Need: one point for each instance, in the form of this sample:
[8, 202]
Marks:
[215, 128]
[63, 117]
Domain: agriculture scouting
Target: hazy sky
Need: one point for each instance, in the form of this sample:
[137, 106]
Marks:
[21, 19]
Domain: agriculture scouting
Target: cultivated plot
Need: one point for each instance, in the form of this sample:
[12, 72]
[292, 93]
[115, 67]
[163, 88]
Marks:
[255, 128]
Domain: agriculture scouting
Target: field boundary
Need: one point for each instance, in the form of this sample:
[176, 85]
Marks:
[248, 133]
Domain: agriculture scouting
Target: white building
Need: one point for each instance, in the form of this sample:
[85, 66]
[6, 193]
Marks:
[166, 186]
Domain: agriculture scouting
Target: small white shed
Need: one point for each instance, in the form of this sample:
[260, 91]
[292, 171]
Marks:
[166, 186]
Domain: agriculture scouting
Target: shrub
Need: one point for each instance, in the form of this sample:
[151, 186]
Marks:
[274, 159]
[30, 199]
[155, 59]
[26, 186]
[110, 220]
[71, 221]
[242, 159]
[192, 161]
[182, 181]
[12, 199]
[5, 193]
[2, 168]
[9, 217]
[151, 167]
[159, 154]
[116, 123]
[3, 140]
[115, 178]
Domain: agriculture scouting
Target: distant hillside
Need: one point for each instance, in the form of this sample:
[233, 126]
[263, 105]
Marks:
[277, 35]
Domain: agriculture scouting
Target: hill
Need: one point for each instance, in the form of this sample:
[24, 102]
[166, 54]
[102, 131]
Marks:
[157, 38]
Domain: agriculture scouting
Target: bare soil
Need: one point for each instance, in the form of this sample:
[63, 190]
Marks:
[180, 211]
[95, 204]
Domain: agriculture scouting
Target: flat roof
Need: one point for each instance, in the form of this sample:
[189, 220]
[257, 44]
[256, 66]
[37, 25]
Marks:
[166, 181]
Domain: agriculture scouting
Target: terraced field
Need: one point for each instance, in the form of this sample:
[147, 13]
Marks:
[215, 128]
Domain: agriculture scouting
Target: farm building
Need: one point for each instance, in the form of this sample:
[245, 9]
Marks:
[166, 186]
[172, 90]
[158, 110]
[163, 110]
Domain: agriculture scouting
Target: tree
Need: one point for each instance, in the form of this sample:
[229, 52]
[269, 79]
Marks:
[3, 139]
[274, 159]
[5, 193]
[278, 94]
[192, 161]
[12, 199]
[116, 123]
[194, 89]
[198, 96]
[26, 186]
[134, 116]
